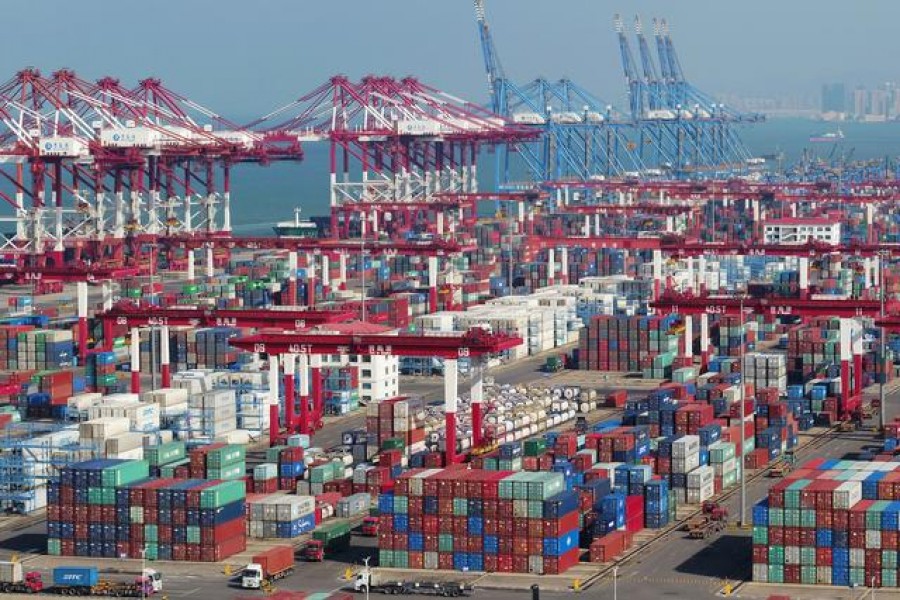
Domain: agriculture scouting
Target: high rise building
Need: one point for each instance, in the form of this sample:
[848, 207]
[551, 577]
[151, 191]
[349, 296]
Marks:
[834, 97]
[860, 101]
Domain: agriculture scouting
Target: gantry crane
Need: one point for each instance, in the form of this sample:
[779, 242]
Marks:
[134, 316]
[475, 343]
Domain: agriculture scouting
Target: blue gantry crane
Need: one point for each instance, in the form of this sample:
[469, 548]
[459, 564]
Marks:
[583, 137]
[680, 128]
[670, 128]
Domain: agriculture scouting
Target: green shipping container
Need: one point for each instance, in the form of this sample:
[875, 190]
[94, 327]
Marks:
[228, 455]
[152, 550]
[460, 507]
[54, 547]
[165, 454]
[193, 534]
[168, 471]
[761, 535]
[150, 533]
[273, 453]
[445, 542]
[535, 447]
[807, 574]
[393, 444]
[332, 531]
[124, 473]
[228, 472]
[222, 494]
[776, 573]
[386, 559]
[401, 505]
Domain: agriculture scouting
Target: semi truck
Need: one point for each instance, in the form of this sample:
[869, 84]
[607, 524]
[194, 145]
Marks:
[85, 581]
[14, 579]
[274, 563]
[368, 581]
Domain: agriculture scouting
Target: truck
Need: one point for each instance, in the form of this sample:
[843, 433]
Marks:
[554, 364]
[782, 466]
[14, 579]
[85, 581]
[275, 563]
[703, 526]
[314, 551]
[370, 526]
[368, 581]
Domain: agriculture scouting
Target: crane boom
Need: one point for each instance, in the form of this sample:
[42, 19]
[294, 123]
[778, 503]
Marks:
[628, 66]
[650, 77]
[492, 65]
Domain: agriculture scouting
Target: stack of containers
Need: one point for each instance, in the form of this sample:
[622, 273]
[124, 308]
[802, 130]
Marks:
[218, 461]
[354, 505]
[812, 346]
[162, 455]
[111, 508]
[41, 349]
[322, 474]
[685, 459]
[340, 390]
[832, 522]
[643, 344]
[731, 335]
[656, 503]
[9, 345]
[100, 371]
[766, 370]
[290, 465]
[210, 414]
[478, 520]
[700, 484]
[264, 480]
[398, 418]
[726, 467]
[280, 516]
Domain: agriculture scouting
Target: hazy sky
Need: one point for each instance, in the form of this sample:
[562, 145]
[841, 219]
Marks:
[245, 57]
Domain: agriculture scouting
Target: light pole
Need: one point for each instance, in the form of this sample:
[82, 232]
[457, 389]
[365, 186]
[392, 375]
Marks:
[743, 413]
[615, 582]
[153, 329]
[882, 256]
[143, 568]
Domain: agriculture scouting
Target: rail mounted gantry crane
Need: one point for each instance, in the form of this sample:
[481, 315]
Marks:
[135, 316]
[319, 252]
[847, 310]
[475, 343]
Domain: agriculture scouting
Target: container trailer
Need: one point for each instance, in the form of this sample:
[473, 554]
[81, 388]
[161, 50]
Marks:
[368, 581]
[274, 563]
[85, 581]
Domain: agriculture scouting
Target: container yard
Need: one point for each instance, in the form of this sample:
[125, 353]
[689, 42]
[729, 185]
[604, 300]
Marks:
[647, 360]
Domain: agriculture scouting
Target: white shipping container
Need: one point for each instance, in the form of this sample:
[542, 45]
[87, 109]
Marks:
[686, 446]
[847, 494]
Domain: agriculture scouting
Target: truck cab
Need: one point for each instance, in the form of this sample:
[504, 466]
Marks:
[252, 577]
[363, 581]
[154, 578]
[33, 582]
[370, 526]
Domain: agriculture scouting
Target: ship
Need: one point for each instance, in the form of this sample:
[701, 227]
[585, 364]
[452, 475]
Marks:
[831, 136]
[297, 227]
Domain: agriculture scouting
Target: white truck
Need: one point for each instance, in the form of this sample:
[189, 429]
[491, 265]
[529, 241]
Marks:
[370, 581]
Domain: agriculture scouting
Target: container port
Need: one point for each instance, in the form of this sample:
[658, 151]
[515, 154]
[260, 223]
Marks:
[645, 363]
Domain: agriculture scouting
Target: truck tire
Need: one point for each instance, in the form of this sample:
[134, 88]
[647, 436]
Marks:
[364, 589]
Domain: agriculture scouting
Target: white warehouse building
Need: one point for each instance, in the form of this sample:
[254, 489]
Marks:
[802, 231]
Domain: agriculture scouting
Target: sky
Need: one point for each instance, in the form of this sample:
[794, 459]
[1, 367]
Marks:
[243, 58]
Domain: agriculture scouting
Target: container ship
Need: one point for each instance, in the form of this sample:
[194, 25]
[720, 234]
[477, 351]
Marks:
[830, 136]
[297, 227]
